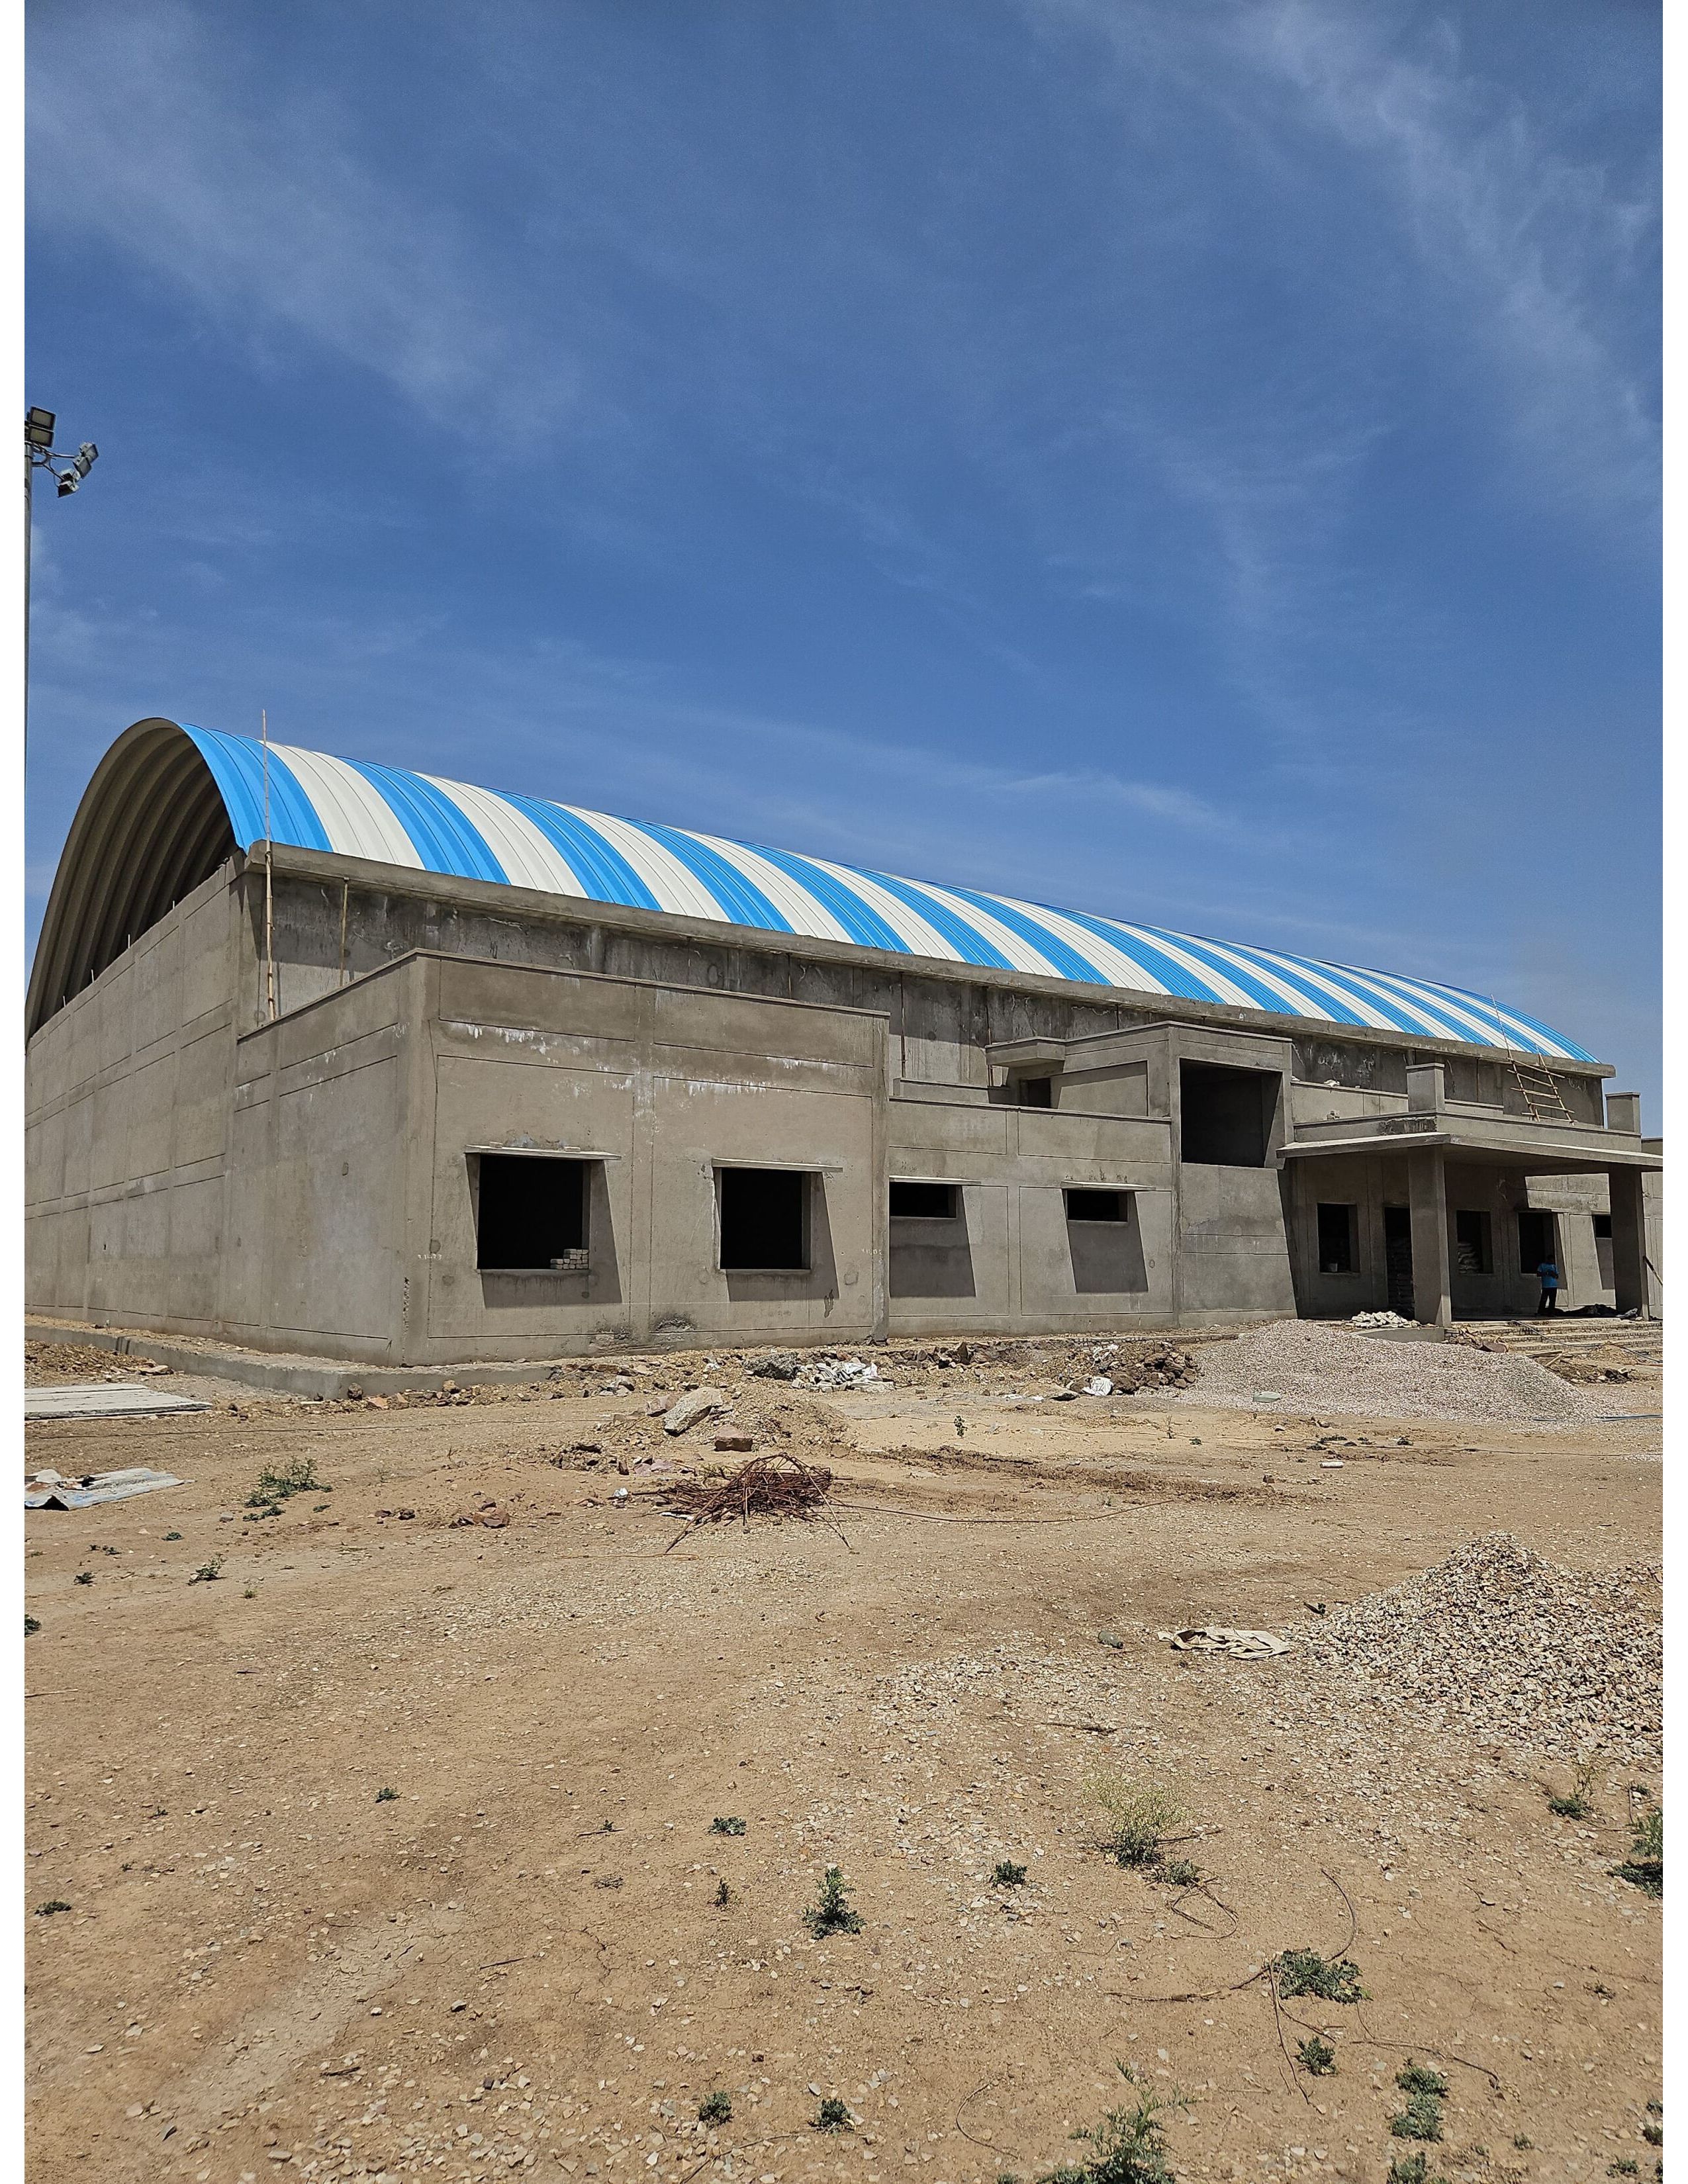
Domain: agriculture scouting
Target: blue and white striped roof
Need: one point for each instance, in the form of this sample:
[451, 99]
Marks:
[354, 809]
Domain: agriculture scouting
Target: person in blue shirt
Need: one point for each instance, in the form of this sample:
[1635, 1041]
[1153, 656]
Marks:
[1548, 1275]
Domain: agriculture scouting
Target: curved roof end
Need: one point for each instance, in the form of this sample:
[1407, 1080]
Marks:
[151, 825]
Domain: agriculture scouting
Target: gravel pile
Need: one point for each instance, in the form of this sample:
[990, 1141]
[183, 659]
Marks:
[1496, 1643]
[1315, 1367]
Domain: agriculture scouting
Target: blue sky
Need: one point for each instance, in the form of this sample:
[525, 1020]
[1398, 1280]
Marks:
[1195, 461]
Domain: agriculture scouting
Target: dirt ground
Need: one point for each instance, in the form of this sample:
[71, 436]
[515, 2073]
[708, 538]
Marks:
[520, 1964]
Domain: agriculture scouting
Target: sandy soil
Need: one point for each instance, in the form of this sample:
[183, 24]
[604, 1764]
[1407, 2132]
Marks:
[517, 1965]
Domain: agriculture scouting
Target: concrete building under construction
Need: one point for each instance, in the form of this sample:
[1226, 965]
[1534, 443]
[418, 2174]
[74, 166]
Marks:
[417, 1074]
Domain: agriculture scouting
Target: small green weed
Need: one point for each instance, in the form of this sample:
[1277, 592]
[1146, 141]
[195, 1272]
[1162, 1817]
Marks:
[1415, 2078]
[715, 2108]
[960, 1427]
[385, 1795]
[1317, 2057]
[1006, 1874]
[1412, 2169]
[1653, 2133]
[251, 1593]
[1644, 1868]
[833, 2115]
[830, 1912]
[1420, 2118]
[1132, 1819]
[1332, 1978]
[1128, 2146]
[1181, 1873]
[1623, 2166]
[726, 1824]
[52, 1903]
[207, 1573]
[298, 1477]
[1576, 1803]
[1524, 2143]
[30, 1626]
[723, 1896]
[85, 1577]
[172, 1536]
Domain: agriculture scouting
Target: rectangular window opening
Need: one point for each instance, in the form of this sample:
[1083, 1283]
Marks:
[1225, 1115]
[1034, 1091]
[1098, 1206]
[1336, 1226]
[1536, 1238]
[1472, 1254]
[925, 1201]
[1602, 1226]
[530, 1214]
[764, 1220]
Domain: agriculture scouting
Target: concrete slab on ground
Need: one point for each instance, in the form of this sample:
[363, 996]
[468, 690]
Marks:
[104, 1399]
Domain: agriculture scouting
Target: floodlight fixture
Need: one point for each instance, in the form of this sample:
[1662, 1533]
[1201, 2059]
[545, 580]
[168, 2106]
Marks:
[69, 481]
[38, 425]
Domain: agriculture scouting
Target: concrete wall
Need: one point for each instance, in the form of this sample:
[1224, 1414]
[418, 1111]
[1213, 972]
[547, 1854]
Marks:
[127, 1115]
[309, 1183]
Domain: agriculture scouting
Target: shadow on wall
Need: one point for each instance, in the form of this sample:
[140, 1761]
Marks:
[932, 1255]
[1106, 1240]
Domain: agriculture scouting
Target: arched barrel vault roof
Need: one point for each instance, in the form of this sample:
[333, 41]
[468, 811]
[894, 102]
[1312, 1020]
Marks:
[169, 803]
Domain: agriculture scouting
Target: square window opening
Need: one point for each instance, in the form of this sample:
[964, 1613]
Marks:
[1602, 1227]
[1098, 1206]
[1225, 1115]
[1336, 1226]
[1471, 1251]
[764, 1220]
[925, 1201]
[1034, 1091]
[530, 1214]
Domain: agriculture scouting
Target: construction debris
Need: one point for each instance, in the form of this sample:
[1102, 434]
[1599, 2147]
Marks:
[840, 1375]
[1238, 1645]
[777, 1486]
[697, 1403]
[47, 1490]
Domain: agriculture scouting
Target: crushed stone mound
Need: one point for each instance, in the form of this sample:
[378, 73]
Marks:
[1497, 1643]
[1318, 1367]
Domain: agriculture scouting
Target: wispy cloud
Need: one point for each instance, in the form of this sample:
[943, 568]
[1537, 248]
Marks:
[1528, 259]
[144, 135]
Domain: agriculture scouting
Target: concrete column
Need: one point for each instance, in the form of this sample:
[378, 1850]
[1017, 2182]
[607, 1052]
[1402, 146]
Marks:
[1428, 1196]
[1628, 1242]
[1426, 1088]
[1624, 1111]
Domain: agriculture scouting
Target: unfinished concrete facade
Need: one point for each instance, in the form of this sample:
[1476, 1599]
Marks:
[484, 1123]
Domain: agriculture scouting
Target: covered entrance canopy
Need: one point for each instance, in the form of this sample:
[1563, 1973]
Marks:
[1435, 1148]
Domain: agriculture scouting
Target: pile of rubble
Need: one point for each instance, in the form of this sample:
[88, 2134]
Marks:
[1496, 1643]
